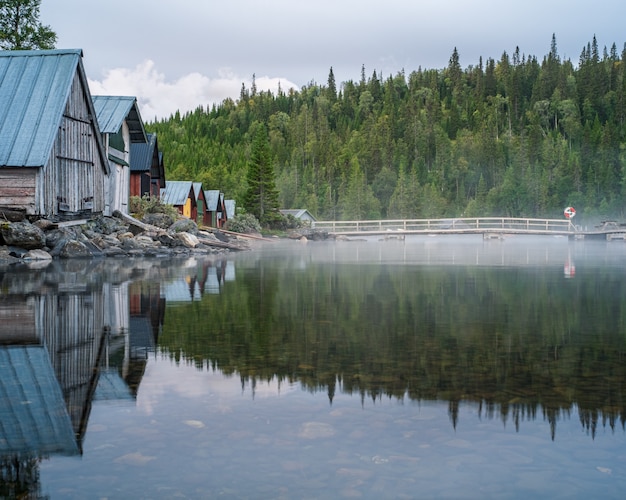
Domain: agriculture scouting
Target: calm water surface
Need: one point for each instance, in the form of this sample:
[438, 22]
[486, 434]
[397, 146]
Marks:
[425, 368]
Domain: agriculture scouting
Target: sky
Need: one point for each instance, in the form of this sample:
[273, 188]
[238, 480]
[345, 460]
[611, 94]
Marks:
[189, 53]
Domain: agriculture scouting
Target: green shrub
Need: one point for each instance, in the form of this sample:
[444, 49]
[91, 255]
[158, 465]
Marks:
[140, 206]
[243, 223]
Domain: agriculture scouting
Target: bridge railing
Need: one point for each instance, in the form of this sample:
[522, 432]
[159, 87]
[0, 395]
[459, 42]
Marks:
[469, 224]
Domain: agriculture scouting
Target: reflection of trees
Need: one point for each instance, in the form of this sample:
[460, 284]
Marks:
[518, 342]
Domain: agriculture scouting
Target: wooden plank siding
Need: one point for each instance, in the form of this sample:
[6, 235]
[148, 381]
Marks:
[73, 180]
[17, 189]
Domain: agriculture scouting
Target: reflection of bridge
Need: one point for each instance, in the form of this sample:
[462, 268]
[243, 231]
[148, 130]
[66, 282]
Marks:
[473, 225]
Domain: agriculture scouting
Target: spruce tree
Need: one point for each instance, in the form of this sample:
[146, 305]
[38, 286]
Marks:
[261, 197]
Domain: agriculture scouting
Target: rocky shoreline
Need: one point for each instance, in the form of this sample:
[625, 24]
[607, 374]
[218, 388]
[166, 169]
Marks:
[120, 236]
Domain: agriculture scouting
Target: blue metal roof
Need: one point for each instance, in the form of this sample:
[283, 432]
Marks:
[212, 197]
[229, 206]
[33, 415]
[141, 154]
[111, 111]
[176, 192]
[35, 86]
[197, 189]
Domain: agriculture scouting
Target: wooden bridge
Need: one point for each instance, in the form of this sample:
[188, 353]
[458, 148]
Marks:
[487, 226]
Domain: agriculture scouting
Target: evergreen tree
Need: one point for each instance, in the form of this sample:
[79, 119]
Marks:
[512, 137]
[20, 28]
[261, 197]
[331, 90]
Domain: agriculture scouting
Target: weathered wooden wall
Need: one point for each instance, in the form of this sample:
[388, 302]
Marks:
[74, 177]
[17, 189]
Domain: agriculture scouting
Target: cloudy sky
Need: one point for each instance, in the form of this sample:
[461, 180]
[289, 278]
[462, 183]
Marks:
[179, 55]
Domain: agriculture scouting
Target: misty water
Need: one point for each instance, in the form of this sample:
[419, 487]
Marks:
[443, 367]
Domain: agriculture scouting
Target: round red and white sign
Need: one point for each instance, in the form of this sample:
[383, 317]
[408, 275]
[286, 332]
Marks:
[569, 212]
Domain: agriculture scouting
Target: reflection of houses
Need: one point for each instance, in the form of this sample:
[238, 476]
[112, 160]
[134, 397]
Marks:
[65, 336]
[180, 194]
[52, 160]
[147, 310]
[121, 126]
[66, 340]
[147, 172]
[205, 278]
[51, 364]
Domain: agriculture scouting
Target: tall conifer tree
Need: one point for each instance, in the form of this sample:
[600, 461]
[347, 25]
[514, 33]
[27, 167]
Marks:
[261, 197]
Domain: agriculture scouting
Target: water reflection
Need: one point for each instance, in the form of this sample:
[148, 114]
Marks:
[72, 332]
[496, 326]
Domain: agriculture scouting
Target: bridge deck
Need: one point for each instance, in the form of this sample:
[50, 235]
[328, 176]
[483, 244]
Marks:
[472, 225]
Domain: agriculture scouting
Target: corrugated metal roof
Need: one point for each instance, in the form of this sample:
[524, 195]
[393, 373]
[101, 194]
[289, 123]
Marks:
[141, 154]
[197, 189]
[33, 415]
[229, 206]
[34, 88]
[212, 199]
[298, 213]
[176, 192]
[111, 111]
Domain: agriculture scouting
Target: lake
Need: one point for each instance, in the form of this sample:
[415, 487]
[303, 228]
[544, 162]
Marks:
[433, 367]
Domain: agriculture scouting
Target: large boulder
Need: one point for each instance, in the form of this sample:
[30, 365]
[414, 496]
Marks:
[22, 234]
[37, 254]
[73, 249]
[159, 220]
[188, 239]
[184, 226]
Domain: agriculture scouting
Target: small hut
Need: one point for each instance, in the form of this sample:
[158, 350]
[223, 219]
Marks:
[216, 213]
[147, 172]
[121, 125]
[52, 159]
[180, 194]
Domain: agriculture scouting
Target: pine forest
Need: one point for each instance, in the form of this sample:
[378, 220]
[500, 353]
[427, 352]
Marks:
[515, 137]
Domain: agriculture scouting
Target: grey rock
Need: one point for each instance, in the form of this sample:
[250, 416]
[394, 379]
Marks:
[184, 226]
[75, 249]
[23, 234]
[37, 254]
[159, 220]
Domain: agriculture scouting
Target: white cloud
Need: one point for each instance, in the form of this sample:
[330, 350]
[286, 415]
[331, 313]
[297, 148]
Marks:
[159, 98]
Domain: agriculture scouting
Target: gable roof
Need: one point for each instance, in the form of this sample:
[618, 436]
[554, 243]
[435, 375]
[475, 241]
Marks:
[141, 154]
[111, 111]
[35, 86]
[176, 192]
[197, 189]
[229, 206]
[212, 197]
[298, 213]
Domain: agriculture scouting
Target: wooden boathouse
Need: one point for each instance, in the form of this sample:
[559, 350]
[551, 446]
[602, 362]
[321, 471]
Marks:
[52, 158]
[121, 125]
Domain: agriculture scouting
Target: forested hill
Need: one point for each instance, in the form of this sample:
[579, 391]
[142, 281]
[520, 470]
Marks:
[518, 136]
